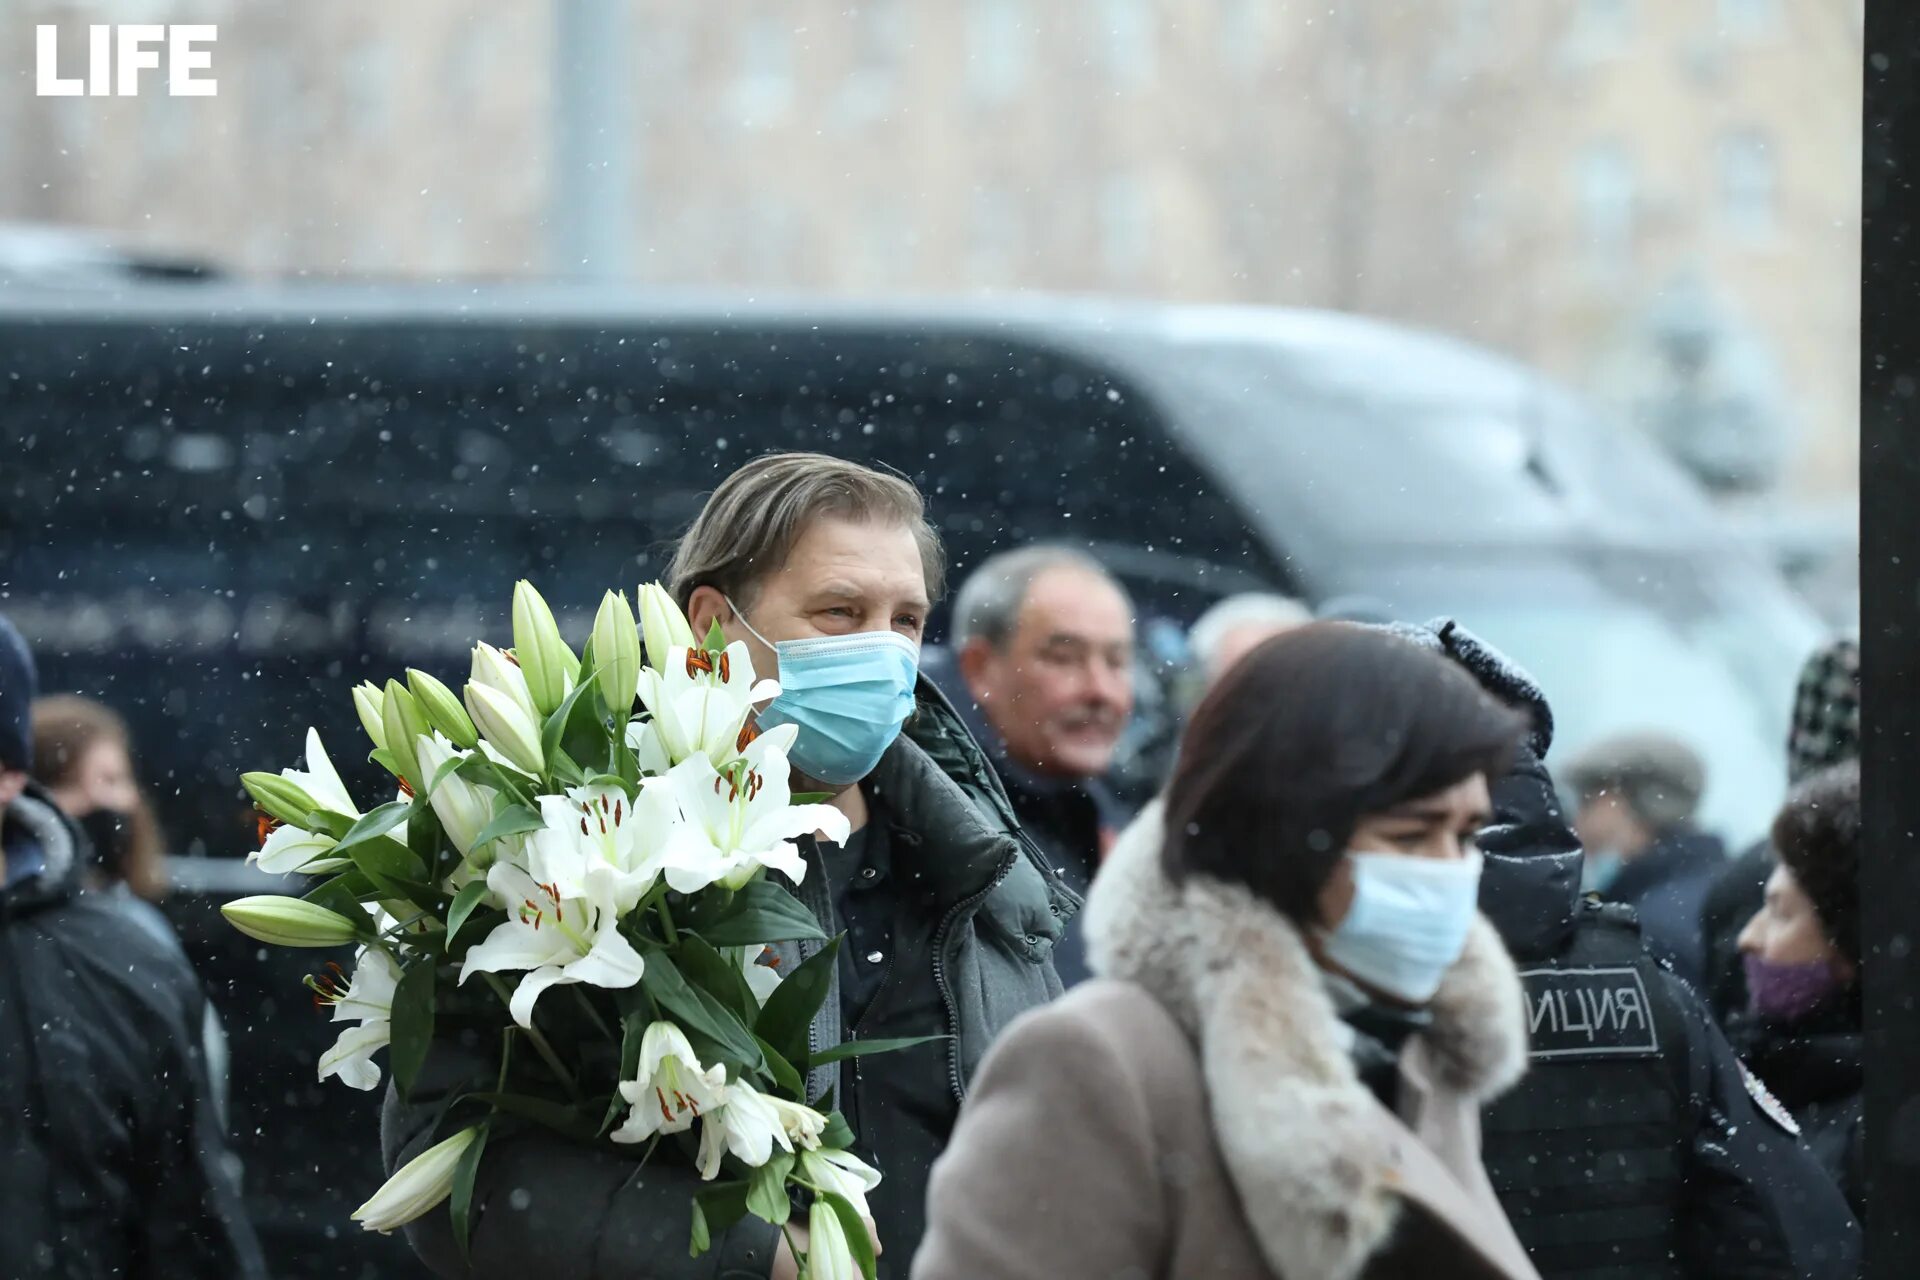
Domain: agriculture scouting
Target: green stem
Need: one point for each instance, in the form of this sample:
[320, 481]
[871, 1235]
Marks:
[799, 1256]
[535, 1036]
[666, 923]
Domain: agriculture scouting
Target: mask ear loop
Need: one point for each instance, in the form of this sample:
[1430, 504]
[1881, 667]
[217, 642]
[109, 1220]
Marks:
[748, 625]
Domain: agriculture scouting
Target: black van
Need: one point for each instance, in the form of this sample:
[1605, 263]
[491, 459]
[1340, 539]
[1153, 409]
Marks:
[226, 505]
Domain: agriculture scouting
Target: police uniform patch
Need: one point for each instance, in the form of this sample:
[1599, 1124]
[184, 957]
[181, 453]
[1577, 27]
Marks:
[1575, 1013]
[1764, 1099]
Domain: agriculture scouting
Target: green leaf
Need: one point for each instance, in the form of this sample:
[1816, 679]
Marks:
[860, 1048]
[333, 824]
[856, 1228]
[514, 820]
[761, 912]
[556, 726]
[374, 824]
[469, 897]
[451, 765]
[838, 1135]
[338, 894]
[767, 1197]
[716, 1209]
[386, 760]
[783, 1020]
[461, 1202]
[476, 768]
[810, 797]
[383, 858]
[564, 770]
[569, 1121]
[412, 1024]
[717, 976]
[784, 1075]
[699, 1012]
[425, 842]
[633, 1029]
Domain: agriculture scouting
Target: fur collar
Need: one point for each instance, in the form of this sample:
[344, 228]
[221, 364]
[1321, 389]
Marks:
[1296, 1127]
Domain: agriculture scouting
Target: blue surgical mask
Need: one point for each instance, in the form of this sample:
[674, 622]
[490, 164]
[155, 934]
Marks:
[1408, 923]
[849, 695]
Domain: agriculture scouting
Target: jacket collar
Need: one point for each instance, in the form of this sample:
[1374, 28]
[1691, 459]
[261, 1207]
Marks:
[936, 784]
[1300, 1134]
[60, 846]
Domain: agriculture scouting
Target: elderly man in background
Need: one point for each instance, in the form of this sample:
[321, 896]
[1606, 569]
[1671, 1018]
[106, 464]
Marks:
[1638, 794]
[1043, 637]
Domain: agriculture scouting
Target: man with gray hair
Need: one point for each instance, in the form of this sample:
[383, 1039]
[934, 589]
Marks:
[1043, 637]
[1232, 627]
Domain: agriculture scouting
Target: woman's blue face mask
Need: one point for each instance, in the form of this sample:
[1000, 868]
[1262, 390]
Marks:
[848, 695]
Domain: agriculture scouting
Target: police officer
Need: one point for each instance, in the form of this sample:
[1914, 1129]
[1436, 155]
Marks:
[1637, 1147]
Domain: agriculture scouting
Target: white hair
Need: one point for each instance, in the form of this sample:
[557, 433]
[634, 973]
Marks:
[988, 603]
[1246, 609]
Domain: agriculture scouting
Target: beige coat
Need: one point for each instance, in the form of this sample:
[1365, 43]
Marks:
[1195, 1113]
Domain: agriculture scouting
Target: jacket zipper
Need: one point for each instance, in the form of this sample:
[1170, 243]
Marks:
[940, 971]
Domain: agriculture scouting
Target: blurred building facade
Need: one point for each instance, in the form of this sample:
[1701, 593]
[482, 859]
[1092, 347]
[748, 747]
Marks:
[1657, 200]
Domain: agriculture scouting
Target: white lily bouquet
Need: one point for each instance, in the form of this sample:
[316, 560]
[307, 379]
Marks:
[588, 888]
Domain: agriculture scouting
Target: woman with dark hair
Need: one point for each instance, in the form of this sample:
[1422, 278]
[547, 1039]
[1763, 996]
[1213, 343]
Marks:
[1801, 1035]
[1298, 1014]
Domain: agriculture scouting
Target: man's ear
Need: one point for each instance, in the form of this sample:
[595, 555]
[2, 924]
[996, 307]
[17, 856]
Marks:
[975, 661]
[706, 606]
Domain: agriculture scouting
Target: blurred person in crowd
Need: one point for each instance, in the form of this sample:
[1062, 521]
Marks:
[112, 1161]
[1043, 637]
[1638, 796]
[1298, 1013]
[1637, 1144]
[83, 756]
[1232, 627]
[1801, 952]
[1825, 732]
[826, 570]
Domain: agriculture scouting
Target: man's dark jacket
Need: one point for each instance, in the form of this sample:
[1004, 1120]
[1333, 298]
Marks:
[1653, 1157]
[112, 1163]
[546, 1207]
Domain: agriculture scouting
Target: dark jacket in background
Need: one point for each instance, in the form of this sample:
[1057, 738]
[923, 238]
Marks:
[1636, 1146]
[1736, 893]
[991, 911]
[1813, 1067]
[112, 1163]
[1667, 886]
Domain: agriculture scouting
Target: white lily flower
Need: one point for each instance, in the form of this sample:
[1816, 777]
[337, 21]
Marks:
[731, 831]
[367, 705]
[841, 1172]
[556, 934]
[802, 1124]
[699, 704]
[464, 808]
[746, 1124]
[762, 979]
[671, 1090]
[369, 1000]
[419, 1185]
[829, 1255]
[649, 748]
[616, 653]
[289, 850]
[549, 665]
[597, 826]
[321, 781]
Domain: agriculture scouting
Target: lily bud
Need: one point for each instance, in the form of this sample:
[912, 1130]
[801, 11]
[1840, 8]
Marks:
[400, 715]
[506, 726]
[442, 710]
[496, 670]
[665, 625]
[279, 796]
[549, 666]
[463, 808]
[419, 1185]
[616, 653]
[290, 922]
[367, 701]
[829, 1257]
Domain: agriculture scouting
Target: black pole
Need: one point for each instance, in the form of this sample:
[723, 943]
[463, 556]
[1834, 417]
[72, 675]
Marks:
[1890, 633]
